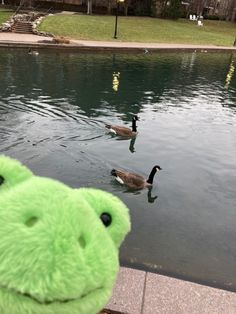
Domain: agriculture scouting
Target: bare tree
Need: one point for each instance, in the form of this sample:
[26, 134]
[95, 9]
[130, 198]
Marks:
[89, 7]
[109, 5]
[232, 11]
[227, 10]
[126, 6]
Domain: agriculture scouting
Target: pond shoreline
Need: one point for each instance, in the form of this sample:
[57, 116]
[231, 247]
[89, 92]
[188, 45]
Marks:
[14, 40]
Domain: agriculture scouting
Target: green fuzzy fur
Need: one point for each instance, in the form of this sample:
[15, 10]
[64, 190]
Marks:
[56, 255]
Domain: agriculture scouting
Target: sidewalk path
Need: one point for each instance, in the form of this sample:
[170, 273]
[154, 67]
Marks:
[22, 40]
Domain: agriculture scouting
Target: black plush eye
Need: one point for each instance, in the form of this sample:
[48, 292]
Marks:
[1, 180]
[106, 219]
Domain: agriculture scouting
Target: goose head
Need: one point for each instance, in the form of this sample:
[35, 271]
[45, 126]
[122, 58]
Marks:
[157, 168]
[135, 118]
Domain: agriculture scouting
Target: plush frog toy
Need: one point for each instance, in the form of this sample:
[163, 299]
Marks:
[58, 245]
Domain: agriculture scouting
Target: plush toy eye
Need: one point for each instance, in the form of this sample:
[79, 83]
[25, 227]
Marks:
[1, 180]
[106, 219]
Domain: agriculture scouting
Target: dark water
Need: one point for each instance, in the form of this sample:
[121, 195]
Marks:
[52, 112]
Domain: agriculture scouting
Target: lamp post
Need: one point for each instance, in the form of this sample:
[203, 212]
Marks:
[117, 9]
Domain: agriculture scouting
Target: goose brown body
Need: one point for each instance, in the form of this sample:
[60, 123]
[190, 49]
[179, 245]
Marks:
[122, 130]
[134, 180]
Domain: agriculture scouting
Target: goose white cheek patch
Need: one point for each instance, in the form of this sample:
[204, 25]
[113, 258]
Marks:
[119, 180]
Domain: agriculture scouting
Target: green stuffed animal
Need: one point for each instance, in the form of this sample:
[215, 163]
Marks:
[58, 245]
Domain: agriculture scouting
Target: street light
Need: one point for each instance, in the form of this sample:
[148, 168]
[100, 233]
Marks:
[117, 9]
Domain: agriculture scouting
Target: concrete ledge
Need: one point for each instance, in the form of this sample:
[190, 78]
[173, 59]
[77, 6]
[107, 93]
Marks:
[13, 40]
[128, 292]
[80, 47]
[139, 292]
[169, 295]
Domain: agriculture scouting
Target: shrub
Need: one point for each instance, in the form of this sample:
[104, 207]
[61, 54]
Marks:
[172, 9]
[212, 17]
[142, 9]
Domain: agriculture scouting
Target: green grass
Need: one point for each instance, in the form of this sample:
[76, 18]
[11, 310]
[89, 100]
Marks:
[4, 15]
[141, 29]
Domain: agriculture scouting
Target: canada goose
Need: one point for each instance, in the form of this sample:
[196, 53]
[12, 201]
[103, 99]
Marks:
[122, 130]
[134, 180]
[32, 52]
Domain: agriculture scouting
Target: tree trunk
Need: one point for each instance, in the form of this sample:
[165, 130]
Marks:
[126, 4]
[89, 7]
[233, 11]
[109, 7]
[156, 8]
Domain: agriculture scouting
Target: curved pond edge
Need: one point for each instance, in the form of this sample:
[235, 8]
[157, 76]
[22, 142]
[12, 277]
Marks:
[115, 47]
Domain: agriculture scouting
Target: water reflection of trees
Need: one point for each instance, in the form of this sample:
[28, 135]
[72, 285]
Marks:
[84, 81]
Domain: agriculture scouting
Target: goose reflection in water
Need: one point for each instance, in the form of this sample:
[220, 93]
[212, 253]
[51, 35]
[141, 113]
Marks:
[131, 142]
[131, 145]
[151, 199]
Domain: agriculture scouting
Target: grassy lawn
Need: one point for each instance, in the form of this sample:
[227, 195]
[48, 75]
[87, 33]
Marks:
[4, 15]
[140, 29]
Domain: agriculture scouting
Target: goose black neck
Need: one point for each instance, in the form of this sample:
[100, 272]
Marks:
[151, 176]
[134, 128]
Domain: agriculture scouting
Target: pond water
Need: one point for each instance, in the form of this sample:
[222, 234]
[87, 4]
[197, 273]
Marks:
[52, 113]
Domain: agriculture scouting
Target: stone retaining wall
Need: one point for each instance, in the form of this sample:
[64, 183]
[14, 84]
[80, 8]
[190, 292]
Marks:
[34, 18]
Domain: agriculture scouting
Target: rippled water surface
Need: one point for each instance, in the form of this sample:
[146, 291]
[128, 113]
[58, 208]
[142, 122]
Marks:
[52, 113]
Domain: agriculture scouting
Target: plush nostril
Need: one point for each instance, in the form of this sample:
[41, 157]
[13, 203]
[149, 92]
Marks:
[82, 242]
[1, 180]
[31, 221]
